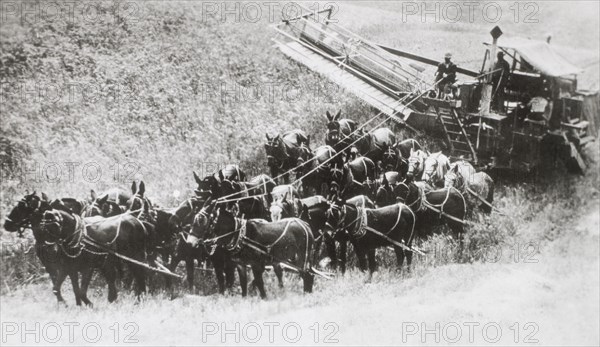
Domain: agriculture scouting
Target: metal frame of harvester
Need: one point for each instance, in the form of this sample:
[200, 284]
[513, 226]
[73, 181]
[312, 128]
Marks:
[390, 80]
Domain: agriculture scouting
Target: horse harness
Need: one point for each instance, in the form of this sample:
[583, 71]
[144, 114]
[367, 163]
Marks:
[237, 243]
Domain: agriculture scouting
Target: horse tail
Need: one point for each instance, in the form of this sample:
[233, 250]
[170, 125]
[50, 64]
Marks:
[490, 195]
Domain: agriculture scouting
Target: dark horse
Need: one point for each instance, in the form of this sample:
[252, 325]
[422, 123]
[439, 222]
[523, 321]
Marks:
[353, 178]
[421, 200]
[210, 185]
[339, 256]
[317, 174]
[142, 209]
[287, 152]
[372, 144]
[384, 189]
[110, 203]
[257, 242]
[251, 198]
[28, 214]
[312, 210]
[76, 238]
[339, 132]
[395, 157]
[396, 222]
[181, 221]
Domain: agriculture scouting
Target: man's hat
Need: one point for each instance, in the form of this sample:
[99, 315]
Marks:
[448, 55]
[500, 54]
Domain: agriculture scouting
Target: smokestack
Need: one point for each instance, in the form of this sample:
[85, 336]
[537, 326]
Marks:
[548, 38]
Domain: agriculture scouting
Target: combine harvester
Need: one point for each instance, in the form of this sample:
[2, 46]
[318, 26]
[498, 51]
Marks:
[390, 80]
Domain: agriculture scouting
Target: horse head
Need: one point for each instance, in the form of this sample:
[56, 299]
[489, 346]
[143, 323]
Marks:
[278, 209]
[335, 213]
[276, 150]
[185, 212]
[334, 131]
[415, 164]
[390, 157]
[202, 223]
[20, 217]
[435, 168]
[208, 186]
[139, 204]
[453, 177]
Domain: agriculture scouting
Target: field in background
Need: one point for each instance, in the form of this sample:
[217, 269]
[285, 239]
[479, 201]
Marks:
[157, 104]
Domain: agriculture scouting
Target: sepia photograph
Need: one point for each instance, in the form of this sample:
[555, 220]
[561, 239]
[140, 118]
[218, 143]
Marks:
[299, 173]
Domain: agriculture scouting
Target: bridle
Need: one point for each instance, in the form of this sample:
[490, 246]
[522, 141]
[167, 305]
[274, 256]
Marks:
[414, 163]
[235, 244]
[25, 223]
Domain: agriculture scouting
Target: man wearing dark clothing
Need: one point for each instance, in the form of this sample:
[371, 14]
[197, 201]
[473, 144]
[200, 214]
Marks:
[499, 79]
[446, 75]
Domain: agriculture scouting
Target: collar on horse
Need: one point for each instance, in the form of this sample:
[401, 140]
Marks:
[359, 222]
[70, 245]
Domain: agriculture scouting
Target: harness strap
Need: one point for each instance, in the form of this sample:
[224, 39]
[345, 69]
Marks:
[269, 247]
[397, 219]
[394, 242]
[444, 214]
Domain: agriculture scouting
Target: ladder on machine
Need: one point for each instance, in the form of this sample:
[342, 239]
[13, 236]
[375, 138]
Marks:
[456, 136]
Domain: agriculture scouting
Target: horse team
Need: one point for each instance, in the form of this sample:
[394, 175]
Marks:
[364, 188]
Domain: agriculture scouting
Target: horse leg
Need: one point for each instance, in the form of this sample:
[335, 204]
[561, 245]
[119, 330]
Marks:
[343, 255]
[109, 271]
[400, 255]
[258, 270]
[230, 267]
[458, 234]
[331, 252]
[219, 266]
[308, 280]
[372, 263]
[58, 281]
[74, 276]
[189, 268]
[139, 274]
[173, 263]
[86, 277]
[361, 254]
[279, 273]
[241, 269]
[409, 256]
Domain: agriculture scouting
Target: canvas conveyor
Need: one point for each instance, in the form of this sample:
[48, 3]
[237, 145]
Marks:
[369, 71]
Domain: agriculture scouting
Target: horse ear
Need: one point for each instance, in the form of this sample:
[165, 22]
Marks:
[337, 115]
[44, 197]
[305, 213]
[133, 187]
[103, 200]
[267, 136]
[198, 180]
[142, 188]
[384, 181]
[329, 116]
[221, 177]
[308, 141]
[93, 194]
